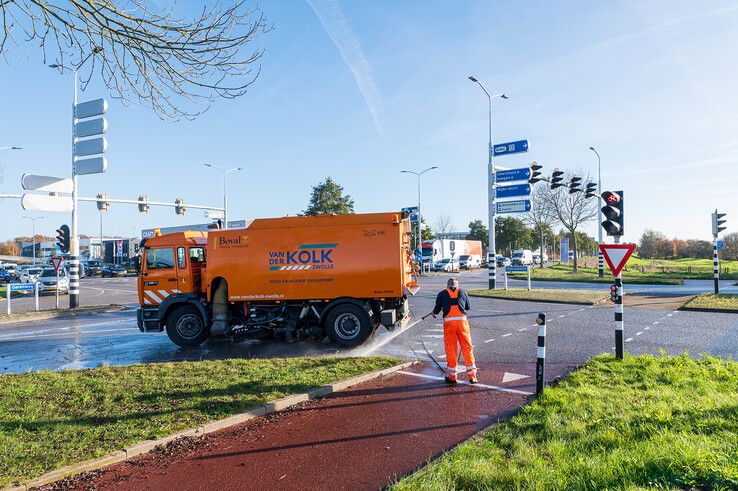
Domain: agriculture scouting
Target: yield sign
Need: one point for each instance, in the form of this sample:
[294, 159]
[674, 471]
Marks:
[56, 261]
[617, 255]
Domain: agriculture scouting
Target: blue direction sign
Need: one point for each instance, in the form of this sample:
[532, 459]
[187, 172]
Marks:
[512, 191]
[515, 206]
[522, 174]
[412, 211]
[22, 287]
[510, 148]
[516, 269]
[720, 244]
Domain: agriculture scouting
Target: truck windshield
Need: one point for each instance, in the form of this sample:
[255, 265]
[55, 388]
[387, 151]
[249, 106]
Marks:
[463, 258]
[162, 258]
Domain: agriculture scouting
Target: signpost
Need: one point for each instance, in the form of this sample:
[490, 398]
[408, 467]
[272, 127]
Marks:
[509, 148]
[412, 211]
[720, 244]
[57, 261]
[17, 287]
[616, 255]
[42, 202]
[510, 175]
[564, 251]
[517, 269]
[513, 191]
[47, 184]
[517, 206]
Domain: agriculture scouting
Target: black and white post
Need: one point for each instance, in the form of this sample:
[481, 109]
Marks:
[619, 344]
[541, 358]
[715, 264]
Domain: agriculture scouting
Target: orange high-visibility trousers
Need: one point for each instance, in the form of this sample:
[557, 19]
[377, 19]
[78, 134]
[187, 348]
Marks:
[456, 332]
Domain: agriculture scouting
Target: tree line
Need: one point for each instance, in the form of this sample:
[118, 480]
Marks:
[655, 245]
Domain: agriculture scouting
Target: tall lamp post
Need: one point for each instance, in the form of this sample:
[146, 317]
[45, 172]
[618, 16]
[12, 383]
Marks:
[33, 231]
[491, 178]
[225, 189]
[600, 263]
[420, 225]
[11, 148]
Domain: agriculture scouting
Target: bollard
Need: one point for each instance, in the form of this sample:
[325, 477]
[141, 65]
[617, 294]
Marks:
[528, 278]
[7, 296]
[36, 294]
[505, 278]
[541, 359]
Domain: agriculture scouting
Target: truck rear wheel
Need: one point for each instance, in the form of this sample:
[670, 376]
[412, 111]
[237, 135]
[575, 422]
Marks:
[348, 325]
[186, 327]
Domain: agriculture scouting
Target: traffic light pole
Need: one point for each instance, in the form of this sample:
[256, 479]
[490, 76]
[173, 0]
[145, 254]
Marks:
[619, 344]
[491, 185]
[715, 264]
[74, 249]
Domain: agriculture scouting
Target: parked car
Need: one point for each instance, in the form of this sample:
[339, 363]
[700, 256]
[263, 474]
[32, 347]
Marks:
[522, 257]
[47, 278]
[5, 276]
[10, 268]
[503, 261]
[30, 275]
[446, 265]
[94, 267]
[113, 270]
[469, 261]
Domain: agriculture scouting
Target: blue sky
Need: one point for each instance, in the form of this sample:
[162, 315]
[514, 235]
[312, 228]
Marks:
[361, 90]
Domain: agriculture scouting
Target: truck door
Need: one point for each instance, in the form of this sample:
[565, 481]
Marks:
[158, 275]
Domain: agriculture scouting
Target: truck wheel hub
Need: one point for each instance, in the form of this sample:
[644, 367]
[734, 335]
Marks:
[347, 326]
[189, 326]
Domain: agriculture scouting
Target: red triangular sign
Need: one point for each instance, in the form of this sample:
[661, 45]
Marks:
[617, 255]
[56, 261]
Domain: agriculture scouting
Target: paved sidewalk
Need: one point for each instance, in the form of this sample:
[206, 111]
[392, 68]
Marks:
[361, 438]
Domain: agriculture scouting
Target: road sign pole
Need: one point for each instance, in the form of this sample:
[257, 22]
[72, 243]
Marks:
[715, 265]
[35, 293]
[505, 279]
[57, 289]
[491, 185]
[619, 345]
[541, 358]
[7, 296]
[74, 249]
[529, 278]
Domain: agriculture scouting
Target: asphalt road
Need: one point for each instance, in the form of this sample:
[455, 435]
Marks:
[502, 331]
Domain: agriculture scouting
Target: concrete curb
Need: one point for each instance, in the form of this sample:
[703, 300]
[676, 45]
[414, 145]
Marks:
[213, 426]
[57, 314]
[540, 301]
[705, 309]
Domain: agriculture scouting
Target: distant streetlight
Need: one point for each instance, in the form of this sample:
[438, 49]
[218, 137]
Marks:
[33, 236]
[600, 265]
[491, 178]
[11, 148]
[420, 226]
[225, 189]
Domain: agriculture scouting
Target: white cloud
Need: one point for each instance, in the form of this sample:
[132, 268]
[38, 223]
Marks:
[338, 28]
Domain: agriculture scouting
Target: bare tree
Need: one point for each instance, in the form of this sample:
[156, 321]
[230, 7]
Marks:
[443, 225]
[572, 210]
[541, 216]
[176, 66]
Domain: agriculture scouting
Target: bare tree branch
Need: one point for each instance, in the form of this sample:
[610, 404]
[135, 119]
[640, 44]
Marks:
[443, 225]
[174, 65]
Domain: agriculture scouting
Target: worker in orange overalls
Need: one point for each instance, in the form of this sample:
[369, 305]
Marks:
[454, 302]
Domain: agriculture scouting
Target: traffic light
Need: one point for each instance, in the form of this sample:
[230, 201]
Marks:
[179, 206]
[557, 179]
[535, 175]
[143, 204]
[613, 211]
[717, 222]
[591, 190]
[613, 293]
[102, 205]
[574, 184]
[62, 239]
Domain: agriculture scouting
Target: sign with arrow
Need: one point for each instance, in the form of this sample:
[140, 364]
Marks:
[617, 255]
[47, 184]
[517, 206]
[512, 191]
[720, 244]
[42, 202]
[510, 148]
[510, 175]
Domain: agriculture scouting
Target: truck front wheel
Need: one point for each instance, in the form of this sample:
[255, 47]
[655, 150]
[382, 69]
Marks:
[348, 325]
[186, 327]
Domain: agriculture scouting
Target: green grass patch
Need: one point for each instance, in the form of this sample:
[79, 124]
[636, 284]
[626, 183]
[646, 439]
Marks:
[710, 301]
[586, 297]
[561, 272]
[52, 419]
[687, 268]
[643, 423]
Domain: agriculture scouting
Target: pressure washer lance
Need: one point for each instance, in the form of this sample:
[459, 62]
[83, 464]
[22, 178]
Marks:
[424, 347]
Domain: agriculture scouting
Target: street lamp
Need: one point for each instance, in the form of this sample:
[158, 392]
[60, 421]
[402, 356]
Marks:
[600, 264]
[491, 178]
[225, 189]
[33, 236]
[420, 225]
[11, 148]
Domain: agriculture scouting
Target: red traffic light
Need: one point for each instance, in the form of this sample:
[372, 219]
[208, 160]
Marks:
[613, 288]
[611, 197]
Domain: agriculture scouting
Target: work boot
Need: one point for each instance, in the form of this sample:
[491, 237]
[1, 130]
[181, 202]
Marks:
[473, 380]
[450, 380]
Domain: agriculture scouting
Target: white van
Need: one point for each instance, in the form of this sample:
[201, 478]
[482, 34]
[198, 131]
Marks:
[522, 257]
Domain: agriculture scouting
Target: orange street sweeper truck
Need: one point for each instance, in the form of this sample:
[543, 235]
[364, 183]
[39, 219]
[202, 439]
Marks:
[340, 276]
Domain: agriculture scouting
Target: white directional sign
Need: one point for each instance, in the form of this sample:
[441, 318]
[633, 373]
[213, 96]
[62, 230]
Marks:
[90, 147]
[95, 165]
[215, 214]
[91, 127]
[31, 182]
[42, 202]
[90, 108]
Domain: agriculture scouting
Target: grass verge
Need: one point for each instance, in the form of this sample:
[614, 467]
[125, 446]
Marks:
[586, 297]
[710, 301]
[52, 419]
[646, 422]
[560, 272]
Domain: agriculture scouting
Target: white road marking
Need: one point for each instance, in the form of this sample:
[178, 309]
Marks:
[629, 340]
[656, 322]
[512, 377]
[485, 386]
[669, 315]
[522, 329]
[489, 311]
[639, 333]
[441, 356]
[506, 335]
[647, 328]
[562, 315]
[490, 340]
[434, 336]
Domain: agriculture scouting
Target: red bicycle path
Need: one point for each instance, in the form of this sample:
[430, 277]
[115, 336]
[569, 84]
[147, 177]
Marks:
[364, 437]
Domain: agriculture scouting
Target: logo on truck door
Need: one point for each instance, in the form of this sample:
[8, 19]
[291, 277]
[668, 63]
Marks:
[306, 256]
